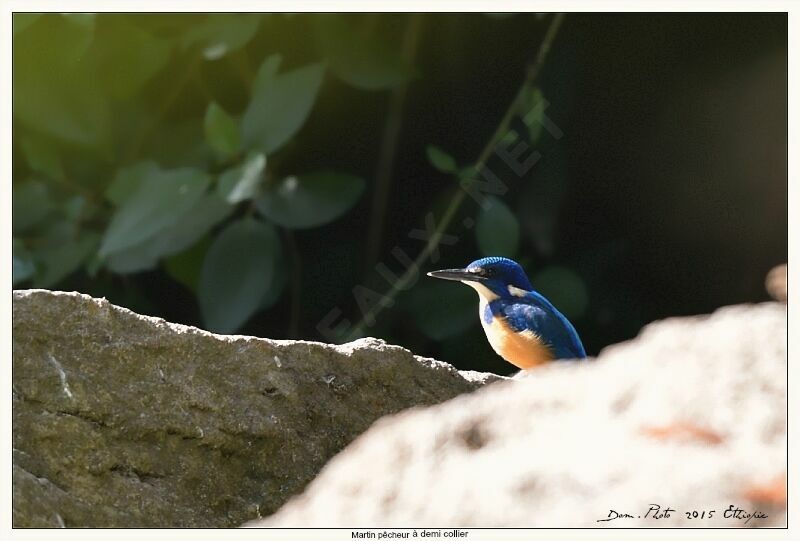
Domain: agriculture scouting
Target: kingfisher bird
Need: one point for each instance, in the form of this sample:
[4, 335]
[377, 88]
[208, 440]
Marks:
[522, 326]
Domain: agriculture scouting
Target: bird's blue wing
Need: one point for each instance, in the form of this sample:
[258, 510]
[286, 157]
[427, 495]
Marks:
[535, 313]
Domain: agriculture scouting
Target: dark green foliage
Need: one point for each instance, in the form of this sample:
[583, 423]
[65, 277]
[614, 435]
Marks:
[185, 267]
[222, 132]
[137, 159]
[300, 202]
[157, 203]
[63, 252]
[565, 288]
[237, 273]
[221, 34]
[42, 158]
[247, 172]
[497, 230]
[116, 183]
[185, 149]
[279, 105]
[31, 203]
[441, 160]
[22, 261]
[191, 226]
[364, 61]
[242, 182]
[453, 310]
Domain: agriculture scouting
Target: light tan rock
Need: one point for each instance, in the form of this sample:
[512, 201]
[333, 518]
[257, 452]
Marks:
[776, 282]
[690, 415]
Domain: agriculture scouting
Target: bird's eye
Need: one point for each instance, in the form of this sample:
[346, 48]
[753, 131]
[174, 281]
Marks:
[489, 272]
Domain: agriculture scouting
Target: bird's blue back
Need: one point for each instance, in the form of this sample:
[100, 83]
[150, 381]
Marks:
[535, 313]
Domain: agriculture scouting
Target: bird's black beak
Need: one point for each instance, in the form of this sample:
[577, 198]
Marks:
[457, 274]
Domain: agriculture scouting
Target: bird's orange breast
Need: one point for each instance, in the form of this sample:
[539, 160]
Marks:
[522, 349]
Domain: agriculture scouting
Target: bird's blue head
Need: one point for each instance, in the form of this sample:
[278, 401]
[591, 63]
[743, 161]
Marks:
[502, 276]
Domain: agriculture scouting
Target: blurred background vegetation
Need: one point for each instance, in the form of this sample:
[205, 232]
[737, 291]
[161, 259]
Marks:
[244, 172]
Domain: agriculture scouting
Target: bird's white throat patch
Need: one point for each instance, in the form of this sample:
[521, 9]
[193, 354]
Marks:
[517, 292]
[486, 294]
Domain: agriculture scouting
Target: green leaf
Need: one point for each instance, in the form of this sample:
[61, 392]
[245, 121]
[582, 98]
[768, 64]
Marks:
[42, 157]
[300, 202]
[207, 212]
[56, 231]
[129, 58]
[442, 309]
[279, 105]
[54, 81]
[509, 138]
[237, 273]
[441, 160]
[182, 144]
[30, 204]
[57, 261]
[185, 266]
[222, 33]
[222, 132]
[76, 208]
[83, 29]
[21, 21]
[276, 286]
[362, 61]
[94, 264]
[243, 181]
[128, 180]
[159, 202]
[497, 230]
[22, 263]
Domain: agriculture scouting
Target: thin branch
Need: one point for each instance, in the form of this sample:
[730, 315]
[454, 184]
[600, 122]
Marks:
[411, 272]
[388, 151]
[547, 42]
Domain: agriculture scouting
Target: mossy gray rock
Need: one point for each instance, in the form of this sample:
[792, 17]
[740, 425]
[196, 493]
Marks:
[126, 420]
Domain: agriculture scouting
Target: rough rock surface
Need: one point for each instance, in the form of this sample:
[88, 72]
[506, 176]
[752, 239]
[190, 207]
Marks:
[690, 415]
[126, 420]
